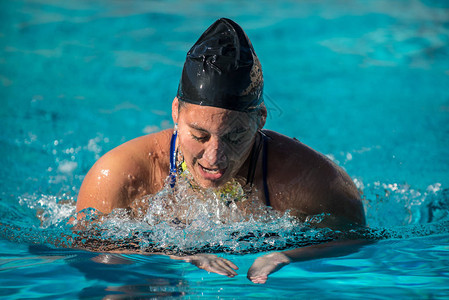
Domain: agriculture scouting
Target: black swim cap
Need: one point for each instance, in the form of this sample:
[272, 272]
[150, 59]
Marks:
[222, 70]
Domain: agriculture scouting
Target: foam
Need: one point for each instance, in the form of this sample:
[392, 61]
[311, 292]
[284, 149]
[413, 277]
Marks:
[189, 222]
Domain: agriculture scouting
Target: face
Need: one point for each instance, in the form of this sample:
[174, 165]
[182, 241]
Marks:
[215, 142]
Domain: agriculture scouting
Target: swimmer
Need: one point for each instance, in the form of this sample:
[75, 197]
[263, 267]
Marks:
[219, 138]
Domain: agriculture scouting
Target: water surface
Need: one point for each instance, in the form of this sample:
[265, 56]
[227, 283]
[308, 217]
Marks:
[364, 82]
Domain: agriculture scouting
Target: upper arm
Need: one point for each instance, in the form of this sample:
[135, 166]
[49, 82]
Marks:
[308, 184]
[340, 201]
[102, 187]
[108, 185]
[345, 198]
[126, 173]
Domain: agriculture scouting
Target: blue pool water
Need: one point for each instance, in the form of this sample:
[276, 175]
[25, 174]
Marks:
[364, 82]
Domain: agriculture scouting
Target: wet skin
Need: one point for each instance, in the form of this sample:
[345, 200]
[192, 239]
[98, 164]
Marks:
[215, 144]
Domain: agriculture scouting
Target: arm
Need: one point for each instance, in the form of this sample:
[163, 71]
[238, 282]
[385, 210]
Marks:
[210, 263]
[336, 196]
[127, 172]
[105, 185]
[270, 263]
[354, 215]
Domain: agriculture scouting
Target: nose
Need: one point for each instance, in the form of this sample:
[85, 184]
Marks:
[215, 153]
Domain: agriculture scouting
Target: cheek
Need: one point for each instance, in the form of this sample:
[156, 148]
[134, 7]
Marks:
[239, 151]
[190, 148]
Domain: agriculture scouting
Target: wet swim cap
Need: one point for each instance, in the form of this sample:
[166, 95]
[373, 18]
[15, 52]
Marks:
[222, 70]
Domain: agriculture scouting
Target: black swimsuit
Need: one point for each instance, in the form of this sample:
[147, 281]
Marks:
[261, 145]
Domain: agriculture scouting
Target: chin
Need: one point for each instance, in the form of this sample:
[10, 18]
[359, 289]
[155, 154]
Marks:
[214, 184]
[207, 184]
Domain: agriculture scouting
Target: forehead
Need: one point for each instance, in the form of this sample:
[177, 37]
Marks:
[214, 119]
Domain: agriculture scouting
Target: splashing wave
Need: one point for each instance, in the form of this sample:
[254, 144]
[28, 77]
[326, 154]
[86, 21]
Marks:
[184, 223]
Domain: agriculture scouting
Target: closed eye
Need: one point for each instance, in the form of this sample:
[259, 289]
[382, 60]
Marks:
[234, 138]
[199, 138]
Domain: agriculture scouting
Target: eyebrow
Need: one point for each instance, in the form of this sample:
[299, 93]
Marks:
[235, 130]
[198, 128]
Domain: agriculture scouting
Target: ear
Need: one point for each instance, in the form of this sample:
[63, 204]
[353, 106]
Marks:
[263, 116]
[174, 110]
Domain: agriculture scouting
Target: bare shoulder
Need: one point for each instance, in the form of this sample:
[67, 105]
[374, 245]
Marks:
[306, 181]
[133, 169]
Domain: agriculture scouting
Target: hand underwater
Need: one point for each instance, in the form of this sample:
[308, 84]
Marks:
[211, 263]
[266, 265]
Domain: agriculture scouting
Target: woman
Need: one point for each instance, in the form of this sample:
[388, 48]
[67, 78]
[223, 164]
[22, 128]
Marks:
[218, 144]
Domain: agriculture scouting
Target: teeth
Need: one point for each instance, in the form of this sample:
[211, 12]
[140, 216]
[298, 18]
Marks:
[210, 170]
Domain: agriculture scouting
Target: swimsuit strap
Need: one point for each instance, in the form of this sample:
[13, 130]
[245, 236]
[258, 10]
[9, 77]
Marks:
[253, 161]
[265, 168]
[261, 145]
[173, 155]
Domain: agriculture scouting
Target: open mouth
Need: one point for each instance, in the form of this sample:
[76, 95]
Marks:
[211, 173]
